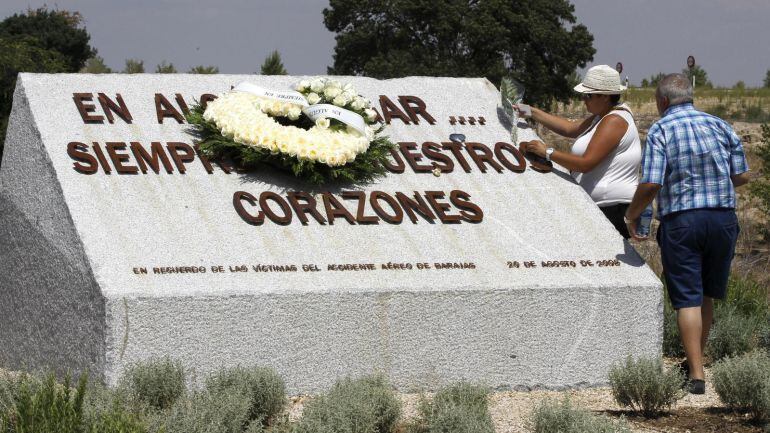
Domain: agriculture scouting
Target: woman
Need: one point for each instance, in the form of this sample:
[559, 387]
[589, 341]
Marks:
[606, 155]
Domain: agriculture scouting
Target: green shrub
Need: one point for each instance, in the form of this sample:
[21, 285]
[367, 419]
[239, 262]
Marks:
[645, 386]
[156, 382]
[263, 386]
[746, 296]
[46, 407]
[365, 405]
[733, 334]
[460, 408]
[763, 336]
[760, 188]
[116, 420]
[204, 412]
[744, 382]
[554, 417]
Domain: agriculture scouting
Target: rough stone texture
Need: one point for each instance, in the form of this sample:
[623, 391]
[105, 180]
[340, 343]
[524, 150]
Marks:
[69, 297]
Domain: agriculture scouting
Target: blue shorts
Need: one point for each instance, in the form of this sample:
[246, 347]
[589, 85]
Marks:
[697, 247]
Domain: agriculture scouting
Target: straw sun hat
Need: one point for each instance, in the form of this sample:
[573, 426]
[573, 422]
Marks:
[602, 80]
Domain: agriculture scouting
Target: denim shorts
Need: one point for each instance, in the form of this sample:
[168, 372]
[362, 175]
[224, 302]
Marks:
[697, 247]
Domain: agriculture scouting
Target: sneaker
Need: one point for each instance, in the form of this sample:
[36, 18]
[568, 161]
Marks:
[696, 386]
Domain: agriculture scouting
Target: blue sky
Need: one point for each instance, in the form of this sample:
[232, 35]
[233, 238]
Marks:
[729, 38]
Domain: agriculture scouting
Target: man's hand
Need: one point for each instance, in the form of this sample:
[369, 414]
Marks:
[631, 225]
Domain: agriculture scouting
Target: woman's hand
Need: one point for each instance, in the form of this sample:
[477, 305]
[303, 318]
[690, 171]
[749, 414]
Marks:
[524, 110]
[536, 147]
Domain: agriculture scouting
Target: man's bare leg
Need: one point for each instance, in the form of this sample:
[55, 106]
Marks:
[691, 327]
[707, 318]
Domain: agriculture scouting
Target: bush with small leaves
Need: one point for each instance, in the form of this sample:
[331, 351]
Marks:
[158, 382]
[46, 407]
[555, 417]
[365, 405]
[460, 408]
[263, 386]
[743, 382]
[733, 333]
[116, 420]
[204, 412]
[645, 386]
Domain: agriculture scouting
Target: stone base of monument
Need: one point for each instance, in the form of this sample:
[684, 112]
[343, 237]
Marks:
[103, 270]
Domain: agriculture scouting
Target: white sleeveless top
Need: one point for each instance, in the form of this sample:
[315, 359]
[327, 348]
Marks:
[614, 180]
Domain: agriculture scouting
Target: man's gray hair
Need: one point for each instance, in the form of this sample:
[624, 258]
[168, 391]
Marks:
[677, 88]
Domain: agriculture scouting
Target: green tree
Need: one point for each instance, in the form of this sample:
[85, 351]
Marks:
[533, 41]
[767, 78]
[22, 54]
[95, 65]
[55, 30]
[204, 70]
[740, 85]
[701, 77]
[134, 66]
[653, 80]
[273, 65]
[165, 68]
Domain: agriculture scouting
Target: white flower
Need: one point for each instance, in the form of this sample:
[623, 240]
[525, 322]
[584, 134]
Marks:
[349, 94]
[334, 83]
[340, 101]
[357, 104]
[332, 92]
[313, 98]
[317, 85]
[347, 86]
[371, 115]
[322, 122]
[294, 113]
[302, 85]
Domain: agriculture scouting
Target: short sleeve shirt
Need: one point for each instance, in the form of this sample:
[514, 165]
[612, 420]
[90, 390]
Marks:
[692, 155]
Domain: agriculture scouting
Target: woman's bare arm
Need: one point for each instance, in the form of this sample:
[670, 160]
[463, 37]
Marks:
[606, 138]
[561, 125]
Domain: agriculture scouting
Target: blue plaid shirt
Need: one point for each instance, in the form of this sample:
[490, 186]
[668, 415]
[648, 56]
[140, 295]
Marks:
[692, 155]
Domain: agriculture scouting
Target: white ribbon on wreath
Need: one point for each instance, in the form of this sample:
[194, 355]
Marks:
[314, 112]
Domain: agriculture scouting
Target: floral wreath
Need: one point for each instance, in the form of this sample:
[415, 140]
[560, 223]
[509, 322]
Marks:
[322, 131]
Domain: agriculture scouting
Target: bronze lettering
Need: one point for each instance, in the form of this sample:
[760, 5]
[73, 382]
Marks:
[361, 197]
[182, 104]
[158, 155]
[109, 106]
[280, 220]
[206, 98]
[412, 158]
[481, 154]
[164, 108]
[417, 205]
[118, 159]
[302, 208]
[101, 158]
[391, 110]
[374, 199]
[441, 208]
[521, 163]
[433, 152]
[85, 109]
[238, 198]
[189, 154]
[397, 165]
[79, 152]
[470, 212]
[415, 106]
[456, 149]
[335, 209]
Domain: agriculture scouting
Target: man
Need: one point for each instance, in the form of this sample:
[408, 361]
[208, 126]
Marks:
[692, 162]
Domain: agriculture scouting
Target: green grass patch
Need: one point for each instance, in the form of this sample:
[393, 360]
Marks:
[645, 386]
[460, 408]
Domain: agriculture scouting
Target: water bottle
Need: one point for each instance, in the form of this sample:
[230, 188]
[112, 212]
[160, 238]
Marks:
[643, 228]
